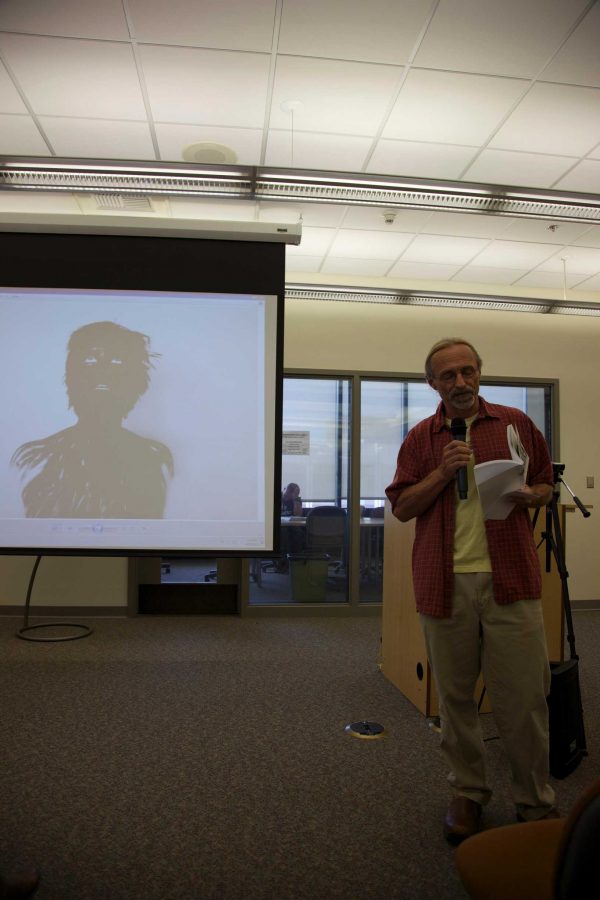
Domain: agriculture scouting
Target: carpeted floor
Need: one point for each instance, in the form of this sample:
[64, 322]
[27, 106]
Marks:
[205, 758]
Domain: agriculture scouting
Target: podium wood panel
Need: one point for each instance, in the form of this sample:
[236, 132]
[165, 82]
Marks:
[404, 658]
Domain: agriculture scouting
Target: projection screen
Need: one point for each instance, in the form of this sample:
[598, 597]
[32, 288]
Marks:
[141, 383]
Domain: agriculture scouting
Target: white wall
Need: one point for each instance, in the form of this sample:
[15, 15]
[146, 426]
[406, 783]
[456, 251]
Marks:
[395, 339]
[64, 581]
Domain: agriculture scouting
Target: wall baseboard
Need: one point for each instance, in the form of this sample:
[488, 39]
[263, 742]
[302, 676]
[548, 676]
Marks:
[68, 612]
[584, 604]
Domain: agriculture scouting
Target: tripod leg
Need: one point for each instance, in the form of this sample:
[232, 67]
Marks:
[559, 555]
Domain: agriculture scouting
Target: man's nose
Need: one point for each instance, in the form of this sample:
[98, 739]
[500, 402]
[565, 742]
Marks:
[460, 381]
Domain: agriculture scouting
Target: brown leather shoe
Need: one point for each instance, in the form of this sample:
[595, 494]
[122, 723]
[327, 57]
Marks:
[552, 813]
[462, 819]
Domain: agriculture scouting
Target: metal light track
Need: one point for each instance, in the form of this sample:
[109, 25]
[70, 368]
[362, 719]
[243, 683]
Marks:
[261, 183]
[438, 298]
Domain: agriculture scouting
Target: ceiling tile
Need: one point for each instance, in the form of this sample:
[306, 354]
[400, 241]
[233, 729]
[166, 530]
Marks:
[304, 264]
[206, 87]
[466, 224]
[419, 159]
[20, 137]
[582, 260]
[548, 280]
[315, 242]
[335, 96]
[244, 142]
[98, 138]
[451, 108]
[578, 60]
[585, 176]
[443, 249]
[589, 284]
[513, 255]
[316, 151]
[93, 79]
[543, 232]
[508, 38]
[369, 244]
[372, 219]
[515, 168]
[379, 31]
[207, 70]
[324, 214]
[590, 237]
[341, 265]
[234, 25]
[489, 275]
[10, 101]
[423, 271]
[553, 117]
[70, 18]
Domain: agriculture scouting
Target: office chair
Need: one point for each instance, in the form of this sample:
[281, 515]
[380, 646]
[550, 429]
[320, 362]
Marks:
[326, 533]
[552, 859]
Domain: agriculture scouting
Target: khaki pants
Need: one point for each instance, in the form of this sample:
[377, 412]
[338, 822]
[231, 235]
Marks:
[507, 643]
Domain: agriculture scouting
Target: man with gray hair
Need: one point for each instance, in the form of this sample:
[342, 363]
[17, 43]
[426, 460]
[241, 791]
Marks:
[477, 586]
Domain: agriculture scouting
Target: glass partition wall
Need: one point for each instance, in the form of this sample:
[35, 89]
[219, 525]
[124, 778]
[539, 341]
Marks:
[314, 562]
[341, 436]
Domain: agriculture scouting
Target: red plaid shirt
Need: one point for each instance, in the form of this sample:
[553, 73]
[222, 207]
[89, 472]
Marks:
[515, 565]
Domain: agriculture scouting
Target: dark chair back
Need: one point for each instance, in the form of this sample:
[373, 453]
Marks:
[326, 531]
[576, 873]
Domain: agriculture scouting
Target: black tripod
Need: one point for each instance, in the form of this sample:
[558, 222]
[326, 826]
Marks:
[555, 545]
[567, 733]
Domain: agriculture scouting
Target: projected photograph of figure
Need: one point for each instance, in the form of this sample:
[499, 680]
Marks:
[97, 467]
[137, 418]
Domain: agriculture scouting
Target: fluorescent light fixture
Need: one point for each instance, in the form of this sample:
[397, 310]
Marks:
[437, 298]
[588, 309]
[170, 179]
[266, 183]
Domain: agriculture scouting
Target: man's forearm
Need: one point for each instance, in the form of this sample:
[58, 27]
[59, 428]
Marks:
[542, 494]
[414, 500]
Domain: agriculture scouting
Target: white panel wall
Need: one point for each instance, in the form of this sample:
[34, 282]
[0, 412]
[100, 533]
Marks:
[64, 581]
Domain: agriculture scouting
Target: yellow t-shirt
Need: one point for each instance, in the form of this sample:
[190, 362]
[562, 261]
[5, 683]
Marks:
[470, 541]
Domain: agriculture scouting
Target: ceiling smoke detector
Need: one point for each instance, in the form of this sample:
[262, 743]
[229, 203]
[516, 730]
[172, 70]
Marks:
[207, 153]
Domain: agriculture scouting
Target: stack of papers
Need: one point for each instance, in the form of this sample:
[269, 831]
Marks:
[499, 477]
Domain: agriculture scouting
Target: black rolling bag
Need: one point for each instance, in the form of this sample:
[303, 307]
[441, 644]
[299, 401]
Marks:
[567, 733]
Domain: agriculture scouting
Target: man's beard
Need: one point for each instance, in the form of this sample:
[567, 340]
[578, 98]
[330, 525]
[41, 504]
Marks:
[463, 399]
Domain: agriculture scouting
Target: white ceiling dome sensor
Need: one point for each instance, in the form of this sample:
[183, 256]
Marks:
[208, 153]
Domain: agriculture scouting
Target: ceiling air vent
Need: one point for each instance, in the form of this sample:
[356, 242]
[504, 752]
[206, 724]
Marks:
[113, 203]
[124, 202]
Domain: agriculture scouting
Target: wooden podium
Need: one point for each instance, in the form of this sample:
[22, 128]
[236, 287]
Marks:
[404, 658]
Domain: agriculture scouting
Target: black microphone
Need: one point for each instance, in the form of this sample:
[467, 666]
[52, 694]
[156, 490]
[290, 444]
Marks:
[458, 427]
